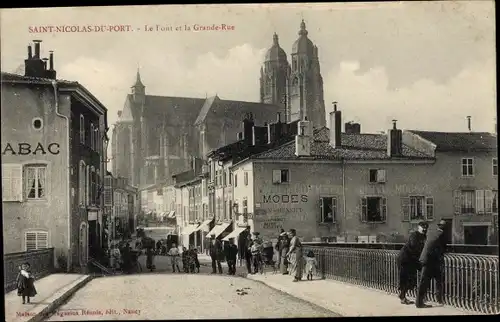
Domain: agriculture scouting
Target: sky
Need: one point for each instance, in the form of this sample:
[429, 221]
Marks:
[427, 64]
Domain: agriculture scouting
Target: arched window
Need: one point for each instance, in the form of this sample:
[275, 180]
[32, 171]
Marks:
[87, 185]
[92, 139]
[98, 187]
[92, 186]
[81, 182]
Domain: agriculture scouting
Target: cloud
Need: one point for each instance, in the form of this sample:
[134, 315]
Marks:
[425, 104]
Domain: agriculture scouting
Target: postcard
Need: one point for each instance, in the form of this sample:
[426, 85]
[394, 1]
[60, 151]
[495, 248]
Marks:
[244, 161]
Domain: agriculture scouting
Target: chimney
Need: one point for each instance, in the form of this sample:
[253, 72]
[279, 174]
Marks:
[352, 128]
[239, 136]
[394, 141]
[259, 135]
[248, 124]
[45, 63]
[278, 119]
[303, 139]
[335, 127]
[37, 48]
[30, 52]
[468, 123]
[51, 60]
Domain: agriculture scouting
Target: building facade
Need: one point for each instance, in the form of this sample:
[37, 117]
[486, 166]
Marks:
[53, 163]
[124, 209]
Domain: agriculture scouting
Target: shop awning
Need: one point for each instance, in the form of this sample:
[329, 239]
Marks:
[204, 225]
[218, 229]
[188, 230]
[171, 214]
[234, 234]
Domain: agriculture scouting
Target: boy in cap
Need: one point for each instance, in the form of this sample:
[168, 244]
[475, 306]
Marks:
[432, 260]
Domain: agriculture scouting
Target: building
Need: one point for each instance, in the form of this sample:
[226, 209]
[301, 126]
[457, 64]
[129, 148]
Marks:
[296, 87]
[53, 163]
[124, 209]
[467, 164]
[357, 187]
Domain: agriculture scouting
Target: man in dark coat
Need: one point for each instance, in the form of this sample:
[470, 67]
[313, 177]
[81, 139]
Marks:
[231, 253]
[432, 260]
[283, 247]
[216, 254]
[245, 245]
[408, 260]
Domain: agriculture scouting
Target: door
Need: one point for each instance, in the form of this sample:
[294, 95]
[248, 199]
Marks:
[449, 231]
[476, 235]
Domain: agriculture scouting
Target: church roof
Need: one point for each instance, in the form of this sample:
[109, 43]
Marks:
[303, 45]
[275, 53]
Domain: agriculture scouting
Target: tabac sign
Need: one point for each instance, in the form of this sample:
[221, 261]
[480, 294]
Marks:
[30, 149]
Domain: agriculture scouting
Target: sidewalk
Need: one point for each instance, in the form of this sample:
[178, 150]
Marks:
[52, 291]
[347, 299]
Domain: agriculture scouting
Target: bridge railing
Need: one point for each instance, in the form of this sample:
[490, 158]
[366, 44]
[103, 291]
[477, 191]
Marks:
[41, 262]
[470, 281]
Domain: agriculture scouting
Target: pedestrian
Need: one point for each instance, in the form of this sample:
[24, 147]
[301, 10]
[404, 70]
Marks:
[256, 251]
[115, 256]
[193, 259]
[283, 247]
[295, 256]
[246, 250]
[311, 265]
[432, 260]
[231, 254]
[126, 253]
[174, 257]
[185, 260]
[408, 260]
[25, 283]
[216, 254]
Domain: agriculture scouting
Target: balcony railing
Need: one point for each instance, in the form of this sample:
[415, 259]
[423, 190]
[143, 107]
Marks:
[470, 281]
[41, 262]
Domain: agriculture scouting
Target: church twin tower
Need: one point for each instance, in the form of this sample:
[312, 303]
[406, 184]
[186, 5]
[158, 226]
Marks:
[297, 87]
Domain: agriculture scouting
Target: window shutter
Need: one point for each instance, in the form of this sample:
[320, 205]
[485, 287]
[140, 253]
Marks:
[384, 209]
[480, 201]
[334, 209]
[108, 191]
[429, 208]
[488, 201]
[494, 202]
[405, 208]
[457, 201]
[7, 191]
[17, 182]
[42, 240]
[246, 178]
[30, 241]
[380, 175]
[276, 176]
[364, 210]
[321, 210]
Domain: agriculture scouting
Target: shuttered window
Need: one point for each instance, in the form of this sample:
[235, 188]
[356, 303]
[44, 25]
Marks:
[108, 191]
[34, 240]
[12, 182]
[35, 181]
[246, 179]
[81, 183]
[373, 209]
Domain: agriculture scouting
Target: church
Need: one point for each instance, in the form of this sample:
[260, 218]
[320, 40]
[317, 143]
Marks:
[158, 136]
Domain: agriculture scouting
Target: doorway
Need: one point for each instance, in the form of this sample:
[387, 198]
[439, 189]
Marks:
[449, 231]
[476, 235]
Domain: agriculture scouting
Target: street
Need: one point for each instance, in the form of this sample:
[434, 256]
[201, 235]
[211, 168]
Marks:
[181, 296]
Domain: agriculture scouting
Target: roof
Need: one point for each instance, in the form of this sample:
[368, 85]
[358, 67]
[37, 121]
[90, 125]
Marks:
[354, 147]
[275, 53]
[460, 141]
[303, 45]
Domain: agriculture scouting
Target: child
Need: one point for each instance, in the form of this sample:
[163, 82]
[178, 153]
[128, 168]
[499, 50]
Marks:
[174, 257]
[185, 260]
[310, 265]
[193, 260]
[25, 283]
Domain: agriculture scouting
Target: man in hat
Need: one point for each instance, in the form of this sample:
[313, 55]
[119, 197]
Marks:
[256, 251]
[231, 253]
[432, 260]
[216, 254]
[408, 260]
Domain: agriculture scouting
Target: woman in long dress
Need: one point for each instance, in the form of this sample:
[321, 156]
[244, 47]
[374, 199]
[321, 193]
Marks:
[296, 259]
[283, 247]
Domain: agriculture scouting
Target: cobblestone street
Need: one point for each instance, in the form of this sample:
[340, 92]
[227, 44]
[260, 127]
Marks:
[181, 296]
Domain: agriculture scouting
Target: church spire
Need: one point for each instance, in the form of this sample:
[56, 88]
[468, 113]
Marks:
[138, 82]
[275, 39]
[303, 31]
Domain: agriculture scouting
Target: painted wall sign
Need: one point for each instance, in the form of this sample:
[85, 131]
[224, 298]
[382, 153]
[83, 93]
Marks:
[26, 148]
[284, 198]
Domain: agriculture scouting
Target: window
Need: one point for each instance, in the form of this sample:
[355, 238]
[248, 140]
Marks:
[373, 209]
[92, 139]
[466, 202]
[205, 212]
[486, 201]
[82, 129]
[81, 183]
[281, 176]
[235, 180]
[37, 123]
[328, 209]
[226, 211]
[108, 191]
[377, 176]
[495, 166]
[417, 208]
[34, 240]
[87, 185]
[230, 210]
[467, 167]
[245, 178]
[92, 186]
[12, 182]
[230, 176]
[35, 181]
[245, 206]
[224, 179]
[98, 187]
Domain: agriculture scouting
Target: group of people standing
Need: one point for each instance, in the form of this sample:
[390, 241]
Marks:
[424, 253]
